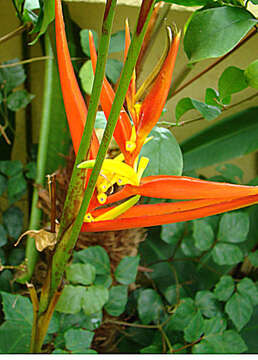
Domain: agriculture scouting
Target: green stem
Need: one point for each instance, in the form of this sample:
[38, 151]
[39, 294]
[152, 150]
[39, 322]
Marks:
[31, 252]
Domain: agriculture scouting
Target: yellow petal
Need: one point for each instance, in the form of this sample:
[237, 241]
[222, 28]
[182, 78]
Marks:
[118, 210]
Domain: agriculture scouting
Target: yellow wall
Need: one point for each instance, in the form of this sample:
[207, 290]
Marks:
[89, 15]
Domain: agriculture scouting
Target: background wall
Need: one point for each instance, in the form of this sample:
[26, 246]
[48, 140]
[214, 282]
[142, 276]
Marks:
[88, 14]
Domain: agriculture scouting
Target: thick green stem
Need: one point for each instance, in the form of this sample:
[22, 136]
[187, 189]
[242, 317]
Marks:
[31, 252]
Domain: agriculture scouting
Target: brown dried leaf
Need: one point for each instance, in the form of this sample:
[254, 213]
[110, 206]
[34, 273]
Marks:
[43, 239]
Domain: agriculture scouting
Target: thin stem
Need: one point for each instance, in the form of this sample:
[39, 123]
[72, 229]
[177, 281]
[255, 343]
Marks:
[27, 61]
[243, 41]
[123, 323]
[13, 33]
[164, 335]
[186, 122]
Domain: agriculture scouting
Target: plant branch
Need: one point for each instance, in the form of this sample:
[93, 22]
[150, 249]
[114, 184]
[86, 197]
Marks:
[13, 33]
[218, 61]
[27, 61]
[186, 122]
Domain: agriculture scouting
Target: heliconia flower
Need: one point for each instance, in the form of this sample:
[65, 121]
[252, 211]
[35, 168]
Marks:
[125, 172]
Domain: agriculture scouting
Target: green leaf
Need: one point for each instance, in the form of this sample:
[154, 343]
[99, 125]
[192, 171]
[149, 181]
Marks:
[231, 81]
[188, 247]
[113, 70]
[163, 142]
[93, 321]
[215, 31]
[173, 293]
[11, 77]
[16, 257]
[195, 328]
[203, 234]
[15, 332]
[101, 121]
[230, 342]
[224, 288]
[78, 340]
[239, 309]
[235, 343]
[31, 170]
[19, 100]
[214, 325]
[70, 301]
[203, 347]
[209, 112]
[231, 172]
[249, 333]
[212, 97]
[60, 351]
[183, 314]
[149, 306]
[3, 236]
[83, 274]
[87, 77]
[84, 36]
[226, 254]
[44, 19]
[2, 257]
[94, 299]
[31, 4]
[171, 233]
[232, 137]
[17, 187]
[96, 256]
[13, 221]
[6, 277]
[251, 74]
[126, 270]
[105, 280]
[3, 184]
[117, 42]
[152, 349]
[207, 303]
[117, 300]
[233, 227]
[247, 288]
[10, 168]
[253, 257]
